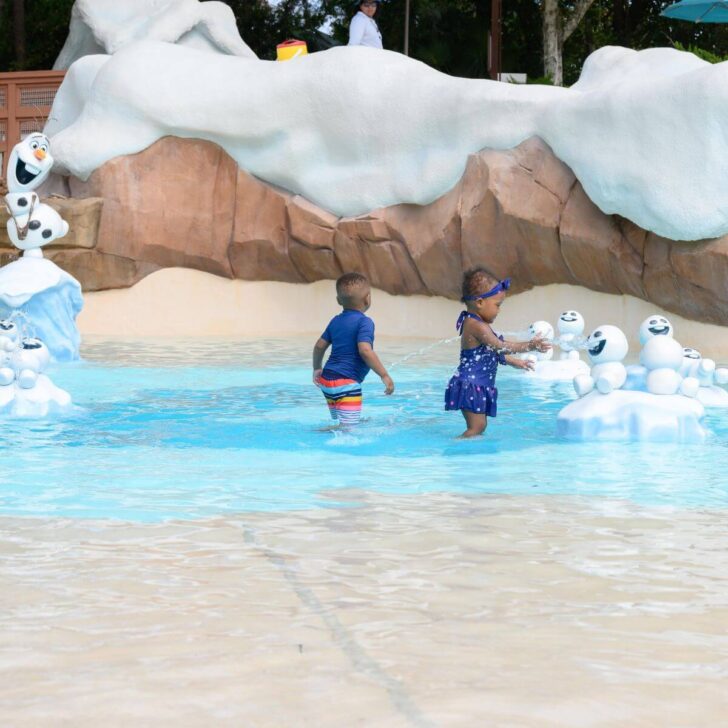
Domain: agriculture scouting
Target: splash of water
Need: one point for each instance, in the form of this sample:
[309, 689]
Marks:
[25, 325]
[424, 350]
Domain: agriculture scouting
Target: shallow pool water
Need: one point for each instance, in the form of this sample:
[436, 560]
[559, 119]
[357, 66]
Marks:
[191, 429]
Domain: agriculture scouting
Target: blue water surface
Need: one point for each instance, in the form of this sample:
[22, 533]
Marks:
[188, 430]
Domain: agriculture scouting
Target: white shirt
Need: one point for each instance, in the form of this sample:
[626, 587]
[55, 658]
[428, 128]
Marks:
[364, 31]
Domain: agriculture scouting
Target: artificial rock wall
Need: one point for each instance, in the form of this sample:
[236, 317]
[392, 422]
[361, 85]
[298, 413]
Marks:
[522, 213]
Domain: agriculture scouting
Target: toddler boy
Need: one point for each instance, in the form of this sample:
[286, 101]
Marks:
[351, 336]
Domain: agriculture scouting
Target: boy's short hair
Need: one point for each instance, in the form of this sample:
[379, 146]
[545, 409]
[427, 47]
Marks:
[476, 281]
[349, 282]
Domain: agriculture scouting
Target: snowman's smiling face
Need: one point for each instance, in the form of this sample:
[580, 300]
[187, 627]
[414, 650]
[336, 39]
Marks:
[654, 326]
[571, 322]
[29, 164]
[607, 344]
[693, 354]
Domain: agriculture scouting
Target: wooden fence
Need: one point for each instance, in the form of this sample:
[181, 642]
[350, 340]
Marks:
[26, 98]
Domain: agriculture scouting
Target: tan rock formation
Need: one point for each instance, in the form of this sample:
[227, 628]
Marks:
[522, 213]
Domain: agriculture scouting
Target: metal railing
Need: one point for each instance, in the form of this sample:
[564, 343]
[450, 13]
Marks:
[26, 98]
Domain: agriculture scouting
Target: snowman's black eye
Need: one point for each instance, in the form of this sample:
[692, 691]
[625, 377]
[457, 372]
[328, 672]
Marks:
[34, 224]
[653, 321]
[597, 334]
[47, 233]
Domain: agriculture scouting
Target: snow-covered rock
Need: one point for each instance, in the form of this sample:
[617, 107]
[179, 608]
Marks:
[355, 129]
[49, 298]
[630, 415]
[42, 400]
[105, 26]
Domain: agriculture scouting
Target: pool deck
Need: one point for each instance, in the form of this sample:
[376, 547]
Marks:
[431, 610]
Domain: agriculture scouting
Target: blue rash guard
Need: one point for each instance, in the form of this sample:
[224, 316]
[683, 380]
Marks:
[345, 332]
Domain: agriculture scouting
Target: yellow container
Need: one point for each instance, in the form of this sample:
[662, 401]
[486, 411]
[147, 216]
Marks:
[291, 49]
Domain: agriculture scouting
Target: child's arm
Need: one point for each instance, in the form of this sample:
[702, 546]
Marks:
[319, 349]
[374, 363]
[484, 334]
[516, 363]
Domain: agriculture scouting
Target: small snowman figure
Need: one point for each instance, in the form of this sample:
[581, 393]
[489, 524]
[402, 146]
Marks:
[571, 329]
[607, 347]
[690, 363]
[9, 335]
[655, 325]
[546, 331]
[704, 370]
[662, 357]
[28, 361]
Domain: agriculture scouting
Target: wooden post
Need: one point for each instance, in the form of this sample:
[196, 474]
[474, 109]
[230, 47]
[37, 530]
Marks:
[496, 32]
[406, 26]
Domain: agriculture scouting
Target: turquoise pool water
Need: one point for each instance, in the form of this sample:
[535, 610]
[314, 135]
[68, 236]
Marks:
[186, 430]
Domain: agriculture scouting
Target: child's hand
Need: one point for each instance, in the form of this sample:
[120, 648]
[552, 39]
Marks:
[388, 384]
[316, 376]
[527, 364]
[538, 343]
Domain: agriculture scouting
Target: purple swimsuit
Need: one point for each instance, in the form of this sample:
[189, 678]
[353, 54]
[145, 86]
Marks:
[473, 385]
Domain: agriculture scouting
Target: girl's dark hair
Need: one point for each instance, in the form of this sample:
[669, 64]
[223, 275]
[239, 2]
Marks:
[477, 280]
[357, 8]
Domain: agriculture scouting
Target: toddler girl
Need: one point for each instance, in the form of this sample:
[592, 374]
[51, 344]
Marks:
[472, 389]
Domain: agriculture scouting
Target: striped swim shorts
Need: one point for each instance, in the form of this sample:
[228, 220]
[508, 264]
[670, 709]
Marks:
[343, 397]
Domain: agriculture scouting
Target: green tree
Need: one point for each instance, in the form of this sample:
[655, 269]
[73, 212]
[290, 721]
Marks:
[46, 27]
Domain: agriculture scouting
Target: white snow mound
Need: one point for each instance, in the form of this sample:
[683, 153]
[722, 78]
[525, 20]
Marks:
[633, 415]
[105, 26]
[43, 400]
[355, 129]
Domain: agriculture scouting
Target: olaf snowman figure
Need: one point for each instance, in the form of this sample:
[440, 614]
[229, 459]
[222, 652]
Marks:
[607, 347]
[32, 224]
[571, 329]
[29, 164]
[31, 232]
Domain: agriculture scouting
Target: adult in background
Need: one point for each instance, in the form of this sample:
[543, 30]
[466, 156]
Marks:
[363, 29]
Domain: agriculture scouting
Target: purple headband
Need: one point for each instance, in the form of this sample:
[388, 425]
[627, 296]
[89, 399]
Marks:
[503, 285]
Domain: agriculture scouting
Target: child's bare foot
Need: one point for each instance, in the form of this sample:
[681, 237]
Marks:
[469, 434]
[329, 428]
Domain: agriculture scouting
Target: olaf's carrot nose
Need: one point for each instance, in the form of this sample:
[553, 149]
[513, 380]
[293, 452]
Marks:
[39, 154]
